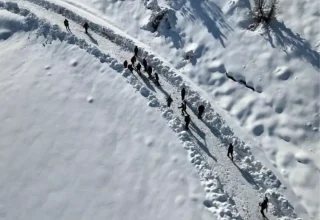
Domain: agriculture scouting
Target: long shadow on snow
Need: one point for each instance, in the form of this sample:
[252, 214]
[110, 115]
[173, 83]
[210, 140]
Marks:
[92, 39]
[174, 36]
[146, 81]
[246, 175]
[163, 91]
[286, 38]
[170, 33]
[199, 143]
[211, 16]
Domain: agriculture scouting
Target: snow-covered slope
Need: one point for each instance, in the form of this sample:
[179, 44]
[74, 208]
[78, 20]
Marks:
[65, 155]
[232, 190]
[281, 63]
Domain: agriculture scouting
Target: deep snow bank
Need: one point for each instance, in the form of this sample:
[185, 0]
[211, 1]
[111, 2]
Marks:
[9, 23]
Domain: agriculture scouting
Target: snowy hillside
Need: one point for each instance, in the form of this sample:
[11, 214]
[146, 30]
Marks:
[87, 145]
[65, 158]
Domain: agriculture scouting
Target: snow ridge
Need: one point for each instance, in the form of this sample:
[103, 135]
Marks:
[217, 200]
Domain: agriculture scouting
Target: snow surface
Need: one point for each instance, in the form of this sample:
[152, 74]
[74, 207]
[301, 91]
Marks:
[278, 62]
[65, 158]
[232, 190]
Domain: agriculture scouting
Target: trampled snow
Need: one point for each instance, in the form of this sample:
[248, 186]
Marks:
[70, 87]
[281, 63]
[63, 157]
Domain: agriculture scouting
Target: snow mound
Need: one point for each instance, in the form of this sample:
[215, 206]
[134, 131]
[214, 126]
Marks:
[10, 23]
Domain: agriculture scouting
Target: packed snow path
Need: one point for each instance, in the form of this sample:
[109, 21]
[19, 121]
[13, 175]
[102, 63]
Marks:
[233, 189]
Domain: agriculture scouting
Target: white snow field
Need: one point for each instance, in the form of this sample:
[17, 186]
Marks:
[281, 63]
[77, 143]
[95, 120]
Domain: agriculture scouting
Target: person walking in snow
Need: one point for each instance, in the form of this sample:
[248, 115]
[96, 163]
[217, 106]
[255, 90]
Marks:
[139, 68]
[264, 206]
[125, 64]
[169, 100]
[230, 151]
[200, 111]
[156, 79]
[66, 23]
[136, 50]
[183, 107]
[149, 71]
[133, 60]
[144, 64]
[130, 68]
[86, 26]
[183, 93]
[187, 121]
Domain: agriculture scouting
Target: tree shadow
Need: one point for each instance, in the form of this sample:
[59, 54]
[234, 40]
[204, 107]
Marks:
[169, 30]
[92, 39]
[286, 38]
[174, 36]
[211, 16]
[197, 54]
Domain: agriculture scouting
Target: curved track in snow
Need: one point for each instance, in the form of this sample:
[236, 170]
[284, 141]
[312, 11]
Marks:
[233, 189]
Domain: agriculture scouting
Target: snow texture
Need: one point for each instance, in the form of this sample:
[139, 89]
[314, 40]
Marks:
[280, 62]
[208, 155]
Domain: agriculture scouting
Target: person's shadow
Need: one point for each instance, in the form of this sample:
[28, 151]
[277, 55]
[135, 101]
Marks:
[92, 39]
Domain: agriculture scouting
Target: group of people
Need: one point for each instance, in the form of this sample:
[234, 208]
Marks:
[147, 68]
[155, 77]
[66, 24]
[183, 106]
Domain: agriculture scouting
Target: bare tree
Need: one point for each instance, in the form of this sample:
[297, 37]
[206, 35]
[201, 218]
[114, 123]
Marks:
[273, 7]
[264, 11]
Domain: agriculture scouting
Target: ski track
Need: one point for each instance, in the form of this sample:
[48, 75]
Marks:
[230, 187]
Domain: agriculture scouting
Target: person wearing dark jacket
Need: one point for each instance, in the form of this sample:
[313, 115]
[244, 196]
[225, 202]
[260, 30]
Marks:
[149, 71]
[139, 68]
[200, 111]
[264, 206]
[187, 121]
[169, 100]
[144, 64]
[136, 51]
[130, 68]
[183, 107]
[66, 23]
[133, 60]
[230, 151]
[183, 93]
[86, 26]
[156, 77]
[125, 64]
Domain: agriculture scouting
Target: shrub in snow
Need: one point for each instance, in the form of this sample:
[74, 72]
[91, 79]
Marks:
[155, 19]
[158, 16]
[263, 11]
[189, 55]
[162, 21]
[152, 5]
